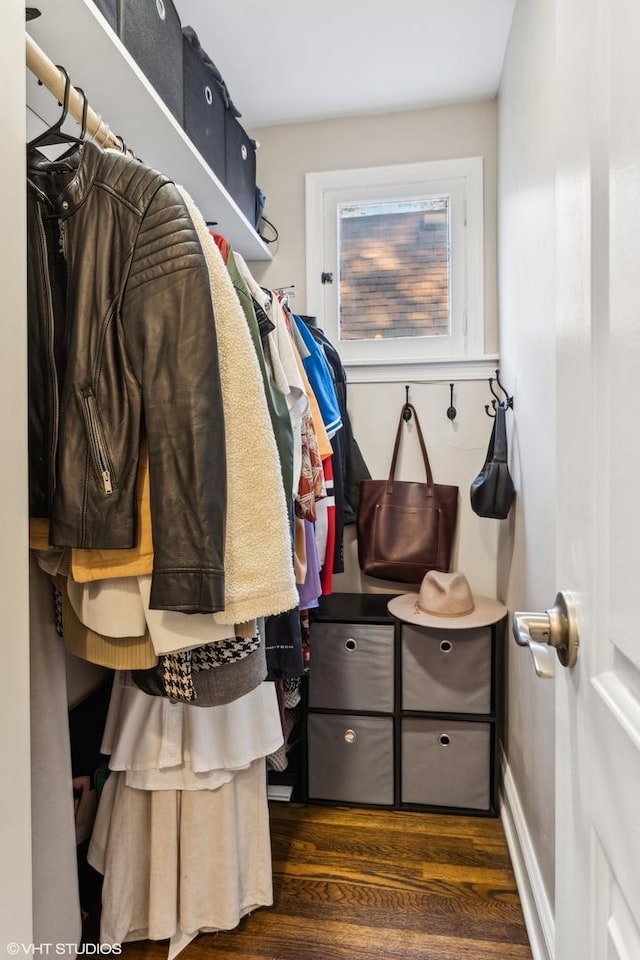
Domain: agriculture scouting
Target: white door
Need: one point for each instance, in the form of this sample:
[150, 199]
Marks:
[598, 456]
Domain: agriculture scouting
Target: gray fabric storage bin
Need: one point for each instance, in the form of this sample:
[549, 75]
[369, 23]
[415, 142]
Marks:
[352, 667]
[446, 763]
[350, 758]
[446, 670]
[204, 105]
[240, 166]
[152, 33]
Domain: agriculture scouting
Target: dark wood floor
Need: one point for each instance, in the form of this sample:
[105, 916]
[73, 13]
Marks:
[356, 884]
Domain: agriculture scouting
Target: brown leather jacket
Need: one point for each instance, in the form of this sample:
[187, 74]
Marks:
[122, 341]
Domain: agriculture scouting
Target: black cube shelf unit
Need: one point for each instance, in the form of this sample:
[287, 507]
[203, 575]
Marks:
[401, 716]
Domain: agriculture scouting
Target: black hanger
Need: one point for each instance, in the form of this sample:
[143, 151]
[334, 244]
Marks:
[85, 110]
[54, 134]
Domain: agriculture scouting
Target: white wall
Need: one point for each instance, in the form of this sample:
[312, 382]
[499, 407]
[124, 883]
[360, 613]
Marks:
[526, 293]
[456, 449]
[15, 824]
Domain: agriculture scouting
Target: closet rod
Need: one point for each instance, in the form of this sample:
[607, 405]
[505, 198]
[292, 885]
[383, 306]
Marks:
[49, 75]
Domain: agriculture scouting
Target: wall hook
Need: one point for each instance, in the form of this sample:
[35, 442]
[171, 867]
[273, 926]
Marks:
[508, 401]
[497, 397]
[505, 402]
[451, 412]
[406, 412]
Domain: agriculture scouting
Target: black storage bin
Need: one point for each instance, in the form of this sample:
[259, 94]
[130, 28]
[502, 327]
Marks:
[204, 109]
[109, 10]
[152, 33]
[240, 175]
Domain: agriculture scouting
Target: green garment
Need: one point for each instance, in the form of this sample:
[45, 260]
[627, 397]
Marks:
[276, 402]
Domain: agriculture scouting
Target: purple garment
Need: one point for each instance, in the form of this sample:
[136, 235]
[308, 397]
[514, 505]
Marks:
[310, 591]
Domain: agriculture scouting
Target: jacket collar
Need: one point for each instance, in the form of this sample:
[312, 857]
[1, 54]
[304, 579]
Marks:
[81, 167]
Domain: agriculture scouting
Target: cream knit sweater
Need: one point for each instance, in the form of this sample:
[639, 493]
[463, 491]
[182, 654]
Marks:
[258, 563]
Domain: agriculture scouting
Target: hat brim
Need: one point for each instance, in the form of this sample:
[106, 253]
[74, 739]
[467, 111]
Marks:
[486, 611]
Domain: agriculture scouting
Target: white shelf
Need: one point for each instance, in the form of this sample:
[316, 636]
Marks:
[74, 34]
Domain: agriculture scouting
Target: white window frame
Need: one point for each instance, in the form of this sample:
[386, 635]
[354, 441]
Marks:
[462, 179]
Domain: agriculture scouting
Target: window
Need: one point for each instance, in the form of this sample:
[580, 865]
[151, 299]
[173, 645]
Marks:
[394, 272]
[394, 261]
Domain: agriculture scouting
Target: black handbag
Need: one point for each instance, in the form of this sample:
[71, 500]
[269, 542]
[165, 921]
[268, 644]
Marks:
[492, 491]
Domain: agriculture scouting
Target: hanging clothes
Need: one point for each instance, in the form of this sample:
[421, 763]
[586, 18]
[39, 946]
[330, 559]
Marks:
[118, 284]
[56, 902]
[281, 359]
[181, 862]
[163, 745]
[320, 378]
[257, 548]
[354, 468]
[349, 467]
[276, 399]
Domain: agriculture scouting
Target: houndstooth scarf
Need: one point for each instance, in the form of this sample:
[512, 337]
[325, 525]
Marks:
[177, 668]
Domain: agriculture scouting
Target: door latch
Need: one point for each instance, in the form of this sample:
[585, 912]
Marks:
[557, 628]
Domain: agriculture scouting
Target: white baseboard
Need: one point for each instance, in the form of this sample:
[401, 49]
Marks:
[536, 907]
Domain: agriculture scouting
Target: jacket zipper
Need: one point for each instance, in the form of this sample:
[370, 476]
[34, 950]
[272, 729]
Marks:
[62, 245]
[49, 321]
[98, 444]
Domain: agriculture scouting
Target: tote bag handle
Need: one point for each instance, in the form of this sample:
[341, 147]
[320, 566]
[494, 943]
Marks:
[396, 448]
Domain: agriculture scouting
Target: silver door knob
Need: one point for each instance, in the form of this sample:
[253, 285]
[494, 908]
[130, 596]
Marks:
[557, 628]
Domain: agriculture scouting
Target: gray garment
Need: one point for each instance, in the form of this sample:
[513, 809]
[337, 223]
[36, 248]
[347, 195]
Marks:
[56, 900]
[213, 687]
[230, 680]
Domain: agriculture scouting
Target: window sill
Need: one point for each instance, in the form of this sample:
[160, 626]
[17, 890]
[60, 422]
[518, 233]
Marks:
[445, 370]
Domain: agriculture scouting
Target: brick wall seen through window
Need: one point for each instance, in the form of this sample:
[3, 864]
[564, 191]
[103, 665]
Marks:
[394, 269]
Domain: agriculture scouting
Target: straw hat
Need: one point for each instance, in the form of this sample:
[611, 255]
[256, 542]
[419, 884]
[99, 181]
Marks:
[445, 601]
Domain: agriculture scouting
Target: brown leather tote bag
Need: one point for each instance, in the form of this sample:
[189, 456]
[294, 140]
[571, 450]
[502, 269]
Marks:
[406, 528]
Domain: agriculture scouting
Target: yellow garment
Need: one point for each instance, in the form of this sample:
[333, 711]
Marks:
[121, 653]
[39, 534]
[89, 565]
